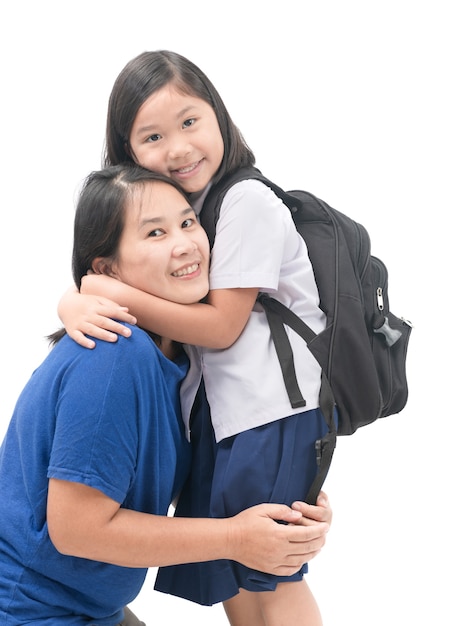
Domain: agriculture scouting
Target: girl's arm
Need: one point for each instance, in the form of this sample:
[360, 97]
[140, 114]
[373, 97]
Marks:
[84, 522]
[93, 315]
[215, 324]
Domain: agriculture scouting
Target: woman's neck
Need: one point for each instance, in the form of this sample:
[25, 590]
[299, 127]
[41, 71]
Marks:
[169, 348]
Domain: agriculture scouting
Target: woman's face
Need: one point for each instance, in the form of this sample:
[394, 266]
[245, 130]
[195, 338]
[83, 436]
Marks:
[163, 250]
[178, 135]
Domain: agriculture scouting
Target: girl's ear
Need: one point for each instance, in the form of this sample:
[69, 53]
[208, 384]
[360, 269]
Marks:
[103, 265]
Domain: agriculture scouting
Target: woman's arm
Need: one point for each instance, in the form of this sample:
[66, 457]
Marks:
[84, 522]
[216, 324]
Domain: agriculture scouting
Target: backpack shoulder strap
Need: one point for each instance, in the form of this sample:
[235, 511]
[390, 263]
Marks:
[278, 315]
[210, 211]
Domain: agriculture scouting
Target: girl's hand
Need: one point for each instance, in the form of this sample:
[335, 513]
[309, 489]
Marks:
[313, 514]
[93, 315]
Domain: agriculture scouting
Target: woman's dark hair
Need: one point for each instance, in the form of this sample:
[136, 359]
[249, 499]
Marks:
[100, 215]
[143, 76]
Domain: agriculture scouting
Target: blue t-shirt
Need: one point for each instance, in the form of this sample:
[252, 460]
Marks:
[108, 418]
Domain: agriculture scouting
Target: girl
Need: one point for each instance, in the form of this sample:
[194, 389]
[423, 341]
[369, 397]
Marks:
[96, 452]
[166, 115]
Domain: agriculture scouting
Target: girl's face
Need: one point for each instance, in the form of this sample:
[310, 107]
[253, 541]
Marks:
[163, 250]
[178, 135]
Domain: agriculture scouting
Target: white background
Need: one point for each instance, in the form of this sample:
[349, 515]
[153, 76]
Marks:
[345, 99]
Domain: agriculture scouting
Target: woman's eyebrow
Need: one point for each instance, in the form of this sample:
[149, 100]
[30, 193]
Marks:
[160, 218]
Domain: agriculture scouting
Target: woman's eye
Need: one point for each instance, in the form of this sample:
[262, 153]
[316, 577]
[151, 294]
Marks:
[188, 222]
[188, 122]
[157, 232]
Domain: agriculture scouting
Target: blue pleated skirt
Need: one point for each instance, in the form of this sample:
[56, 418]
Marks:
[272, 463]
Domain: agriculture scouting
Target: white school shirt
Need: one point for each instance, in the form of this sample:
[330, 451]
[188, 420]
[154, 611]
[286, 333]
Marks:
[257, 245]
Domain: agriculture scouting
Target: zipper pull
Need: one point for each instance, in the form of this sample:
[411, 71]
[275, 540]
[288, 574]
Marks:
[380, 298]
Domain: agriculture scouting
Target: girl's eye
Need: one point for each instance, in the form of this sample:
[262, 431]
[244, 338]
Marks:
[188, 222]
[189, 122]
[153, 138]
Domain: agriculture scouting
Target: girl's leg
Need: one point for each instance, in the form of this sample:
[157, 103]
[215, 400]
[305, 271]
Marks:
[291, 604]
[244, 609]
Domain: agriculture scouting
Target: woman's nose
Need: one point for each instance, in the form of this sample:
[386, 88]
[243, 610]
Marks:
[184, 245]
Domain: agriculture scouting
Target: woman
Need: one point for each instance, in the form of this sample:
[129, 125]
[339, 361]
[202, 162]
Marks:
[96, 450]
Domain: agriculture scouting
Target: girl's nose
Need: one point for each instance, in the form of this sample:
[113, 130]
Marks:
[179, 148]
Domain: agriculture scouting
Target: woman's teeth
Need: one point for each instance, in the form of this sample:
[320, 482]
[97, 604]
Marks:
[186, 270]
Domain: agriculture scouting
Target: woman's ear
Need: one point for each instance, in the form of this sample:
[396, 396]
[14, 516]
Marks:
[103, 265]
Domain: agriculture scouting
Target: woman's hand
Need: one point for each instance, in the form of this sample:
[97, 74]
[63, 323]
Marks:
[313, 514]
[280, 549]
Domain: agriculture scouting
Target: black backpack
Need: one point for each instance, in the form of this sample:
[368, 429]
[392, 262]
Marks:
[363, 349]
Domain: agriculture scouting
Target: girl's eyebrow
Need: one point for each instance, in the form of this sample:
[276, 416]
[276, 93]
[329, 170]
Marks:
[185, 110]
[145, 129]
[153, 126]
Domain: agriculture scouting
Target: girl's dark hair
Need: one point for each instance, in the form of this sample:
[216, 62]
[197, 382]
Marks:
[100, 215]
[143, 76]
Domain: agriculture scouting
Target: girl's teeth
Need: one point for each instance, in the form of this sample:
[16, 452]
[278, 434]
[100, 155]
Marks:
[185, 170]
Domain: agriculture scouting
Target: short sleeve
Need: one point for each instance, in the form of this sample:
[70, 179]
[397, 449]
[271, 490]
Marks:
[250, 236]
[96, 435]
